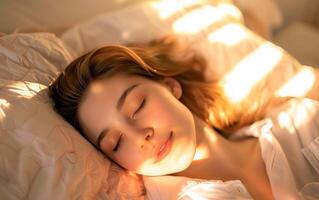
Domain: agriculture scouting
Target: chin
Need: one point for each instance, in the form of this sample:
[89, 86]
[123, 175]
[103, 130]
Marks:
[160, 172]
[175, 166]
[178, 161]
[153, 172]
[162, 169]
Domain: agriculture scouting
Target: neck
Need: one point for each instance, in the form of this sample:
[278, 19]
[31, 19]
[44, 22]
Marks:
[216, 157]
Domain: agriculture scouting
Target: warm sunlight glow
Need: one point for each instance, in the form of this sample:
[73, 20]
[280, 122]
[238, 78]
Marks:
[306, 113]
[148, 168]
[201, 153]
[125, 35]
[179, 158]
[167, 8]
[3, 105]
[266, 130]
[285, 122]
[26, 89]
[211, 135]
[230, 10]
[298, 115]
[197, 20]
[250, 70]
[303, 114]
[299, 85]
[229, 35]
[96, 88]
[194, 195]
[131, 173]
[202, 190]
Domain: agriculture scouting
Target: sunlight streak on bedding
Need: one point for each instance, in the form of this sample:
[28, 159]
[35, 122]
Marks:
[197, 20]
[231, 10]
[305, 115]
[299, 85]
[26, 89]
[285, 122]
[167, 8]
[266, 131]
[203, 190]
[229, 35]
[249, 71]
[4, 104]
[190, 194]
[297, 117]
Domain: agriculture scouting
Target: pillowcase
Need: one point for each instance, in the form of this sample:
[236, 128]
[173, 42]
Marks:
[41, 155]
[32, 57]
[145, 21]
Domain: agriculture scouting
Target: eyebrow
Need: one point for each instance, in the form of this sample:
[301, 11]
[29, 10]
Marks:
[119, 106]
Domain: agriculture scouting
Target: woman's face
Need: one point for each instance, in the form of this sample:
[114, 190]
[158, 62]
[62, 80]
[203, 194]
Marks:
[139, 123]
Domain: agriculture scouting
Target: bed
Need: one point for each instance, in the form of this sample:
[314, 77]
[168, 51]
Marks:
[43, 157]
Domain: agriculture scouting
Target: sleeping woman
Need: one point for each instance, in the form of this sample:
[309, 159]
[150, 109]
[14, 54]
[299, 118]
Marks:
[151, 111]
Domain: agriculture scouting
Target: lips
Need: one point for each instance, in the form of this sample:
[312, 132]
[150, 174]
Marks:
[165, 148]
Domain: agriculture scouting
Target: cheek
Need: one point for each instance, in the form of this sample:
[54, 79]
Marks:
[169, 112]
[130, 159]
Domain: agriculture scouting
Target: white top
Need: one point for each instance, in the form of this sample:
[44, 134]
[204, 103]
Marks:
[289, 140]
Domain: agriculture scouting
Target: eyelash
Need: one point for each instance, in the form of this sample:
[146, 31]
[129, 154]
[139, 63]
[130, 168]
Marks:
[117, 144]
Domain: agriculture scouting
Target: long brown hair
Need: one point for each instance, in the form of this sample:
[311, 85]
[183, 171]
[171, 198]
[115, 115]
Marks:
[156, 60]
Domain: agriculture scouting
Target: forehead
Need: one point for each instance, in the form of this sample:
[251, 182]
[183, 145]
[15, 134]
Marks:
[111, 87]
[100, 101]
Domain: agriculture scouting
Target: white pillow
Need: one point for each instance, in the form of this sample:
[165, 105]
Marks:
[52, 16]
[41, 155]
[145, 21]
[32, 57]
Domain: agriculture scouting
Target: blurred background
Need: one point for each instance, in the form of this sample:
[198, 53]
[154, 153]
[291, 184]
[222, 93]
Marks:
[291, 24]
[299, 33]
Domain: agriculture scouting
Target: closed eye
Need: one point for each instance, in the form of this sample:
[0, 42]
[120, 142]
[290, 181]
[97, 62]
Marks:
[139, 108]
[117, 144]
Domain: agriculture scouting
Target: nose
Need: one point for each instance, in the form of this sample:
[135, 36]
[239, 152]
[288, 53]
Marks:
[146, 137]
[148, 132]
[142, 136]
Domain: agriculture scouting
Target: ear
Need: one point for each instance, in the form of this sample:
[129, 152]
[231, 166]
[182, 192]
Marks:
[174, 86]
